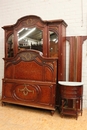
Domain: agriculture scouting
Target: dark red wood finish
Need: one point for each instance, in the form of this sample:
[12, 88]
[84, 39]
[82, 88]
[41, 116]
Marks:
[57, 26]
[29, 78]
[75, 94]
[75, 59]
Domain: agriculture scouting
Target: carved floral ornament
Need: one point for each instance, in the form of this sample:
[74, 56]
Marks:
[29, 22]
[25, 90]
[27, 56]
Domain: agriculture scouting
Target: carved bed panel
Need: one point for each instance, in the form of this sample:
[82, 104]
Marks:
[31, 80]
[30, 93]
[31, 66]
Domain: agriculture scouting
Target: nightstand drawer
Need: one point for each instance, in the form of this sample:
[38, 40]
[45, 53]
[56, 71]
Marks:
[71, 92]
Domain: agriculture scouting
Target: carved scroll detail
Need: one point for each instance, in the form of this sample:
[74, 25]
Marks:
[26, 91]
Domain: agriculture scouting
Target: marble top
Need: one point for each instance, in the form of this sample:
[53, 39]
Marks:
[68, 83]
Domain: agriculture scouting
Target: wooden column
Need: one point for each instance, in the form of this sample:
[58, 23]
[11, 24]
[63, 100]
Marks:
[79, 58]
[72, 58]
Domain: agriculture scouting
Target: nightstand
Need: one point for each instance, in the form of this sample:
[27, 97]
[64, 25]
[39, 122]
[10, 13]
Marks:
[71, 91]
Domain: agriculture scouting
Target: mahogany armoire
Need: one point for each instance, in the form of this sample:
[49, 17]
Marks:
[34, 62]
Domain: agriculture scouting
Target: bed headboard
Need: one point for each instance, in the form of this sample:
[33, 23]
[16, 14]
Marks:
[31, 65]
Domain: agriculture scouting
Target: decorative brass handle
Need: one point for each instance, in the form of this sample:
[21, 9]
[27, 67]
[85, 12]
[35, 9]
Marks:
[25, 90]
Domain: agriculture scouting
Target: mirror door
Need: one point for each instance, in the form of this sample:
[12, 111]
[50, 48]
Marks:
[30, 38]
[53, 39]
[10, 46]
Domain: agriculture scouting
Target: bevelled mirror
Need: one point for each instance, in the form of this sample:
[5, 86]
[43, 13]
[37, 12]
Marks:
[10, 52]
[30, 38]
[53, 44]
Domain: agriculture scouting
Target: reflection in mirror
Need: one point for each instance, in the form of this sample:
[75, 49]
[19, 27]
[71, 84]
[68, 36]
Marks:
[53, 44]
[30, 38]
[10, 46]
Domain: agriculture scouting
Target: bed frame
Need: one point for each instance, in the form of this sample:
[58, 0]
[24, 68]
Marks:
[31, 80]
